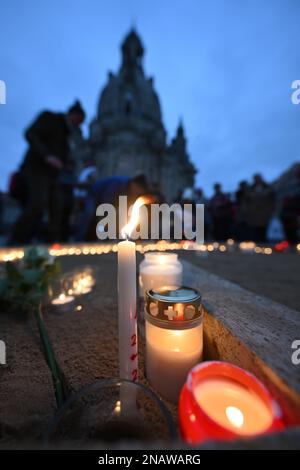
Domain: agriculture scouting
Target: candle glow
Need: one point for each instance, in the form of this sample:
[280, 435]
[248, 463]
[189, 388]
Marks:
[134, 218]
[221, 401]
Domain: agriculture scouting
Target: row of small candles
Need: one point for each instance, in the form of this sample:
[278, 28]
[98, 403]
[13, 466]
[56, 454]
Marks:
[13, 254]
[217, 400]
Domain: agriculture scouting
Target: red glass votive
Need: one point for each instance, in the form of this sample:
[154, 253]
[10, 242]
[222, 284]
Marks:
[220, 401]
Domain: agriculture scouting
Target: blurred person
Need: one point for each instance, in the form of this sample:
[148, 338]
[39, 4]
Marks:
[220, 208]
[260, 205]
[87, 176]
[290, 216]
[48, 153]
[67, 182]
[201, 199]
[107, 191]
[241, 226]
[290, 213]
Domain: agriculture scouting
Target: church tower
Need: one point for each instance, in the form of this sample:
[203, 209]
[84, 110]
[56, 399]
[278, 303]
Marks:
[128, 137]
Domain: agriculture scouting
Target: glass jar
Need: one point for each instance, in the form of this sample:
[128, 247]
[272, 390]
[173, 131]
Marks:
[159, 270]
[221, 401]
[174, 338]
[111, 409]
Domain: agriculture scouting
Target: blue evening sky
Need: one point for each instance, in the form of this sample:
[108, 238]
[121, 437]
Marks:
[225, 66]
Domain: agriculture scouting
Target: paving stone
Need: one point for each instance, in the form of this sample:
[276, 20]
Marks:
[27, 400]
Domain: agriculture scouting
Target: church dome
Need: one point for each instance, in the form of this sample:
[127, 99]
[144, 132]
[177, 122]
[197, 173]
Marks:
[129, 93]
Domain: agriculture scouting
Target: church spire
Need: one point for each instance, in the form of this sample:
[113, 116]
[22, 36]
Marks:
[179, 141]
[132, 52]
[180, 130]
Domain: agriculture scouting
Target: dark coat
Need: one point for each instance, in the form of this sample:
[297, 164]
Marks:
[48, 135]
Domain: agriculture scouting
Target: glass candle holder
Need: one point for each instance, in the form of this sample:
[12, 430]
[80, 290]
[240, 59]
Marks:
[99, 412]
[174, 338]
[79, 282]
[158, 270]
[59, 298]
[220, 401]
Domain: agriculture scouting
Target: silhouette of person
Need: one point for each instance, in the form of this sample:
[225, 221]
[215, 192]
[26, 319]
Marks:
[48, 154]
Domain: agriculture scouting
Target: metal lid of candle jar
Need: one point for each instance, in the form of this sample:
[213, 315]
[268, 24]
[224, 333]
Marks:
[174, 308]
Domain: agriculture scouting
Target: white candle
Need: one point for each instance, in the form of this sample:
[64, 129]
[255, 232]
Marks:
[128, 357]
[171, 354]
[82, 286]
[159, 270]
[233, 406]
[63, 302]
[62, 299]
[247, 247]
[128, 341]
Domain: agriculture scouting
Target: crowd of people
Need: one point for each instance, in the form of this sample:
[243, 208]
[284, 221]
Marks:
[253, 212]
[57, 205]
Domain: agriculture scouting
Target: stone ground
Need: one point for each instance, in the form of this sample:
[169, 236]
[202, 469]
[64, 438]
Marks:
[85, 341]
[275, 276]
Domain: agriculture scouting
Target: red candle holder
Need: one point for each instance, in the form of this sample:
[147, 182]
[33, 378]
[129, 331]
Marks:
[197, 425]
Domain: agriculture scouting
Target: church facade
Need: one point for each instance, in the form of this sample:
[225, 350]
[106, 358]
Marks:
[127, 136]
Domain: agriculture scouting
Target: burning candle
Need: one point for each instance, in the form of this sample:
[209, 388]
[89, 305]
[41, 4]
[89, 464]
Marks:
[174, 338]
[221, 401]
[128, 346]
[62, 302]
[79, 282]
[159, 270]
[127, 310]
[82, 286]
[247, 247]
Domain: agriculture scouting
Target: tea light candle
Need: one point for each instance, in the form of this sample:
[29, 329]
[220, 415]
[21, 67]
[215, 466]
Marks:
[247, 247]
[82, 286]
[222, 401]
[174, 338]
[62, 302]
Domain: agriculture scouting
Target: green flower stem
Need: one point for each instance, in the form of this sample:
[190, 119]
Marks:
[49, 355]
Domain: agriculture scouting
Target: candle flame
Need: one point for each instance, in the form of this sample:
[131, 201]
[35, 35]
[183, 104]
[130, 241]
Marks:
[134, 219]
[118, 407]
[235, 416]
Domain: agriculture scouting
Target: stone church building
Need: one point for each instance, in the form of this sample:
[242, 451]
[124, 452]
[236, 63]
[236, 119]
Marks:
[127, 136]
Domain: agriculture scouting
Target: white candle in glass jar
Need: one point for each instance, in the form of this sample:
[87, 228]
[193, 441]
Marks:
[171, 354]
[159, 270]
[174, 338]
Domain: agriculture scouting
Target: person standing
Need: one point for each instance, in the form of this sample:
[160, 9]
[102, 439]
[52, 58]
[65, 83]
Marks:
[47, 155]
[241, 222]
[260, 205]
[221, 212]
